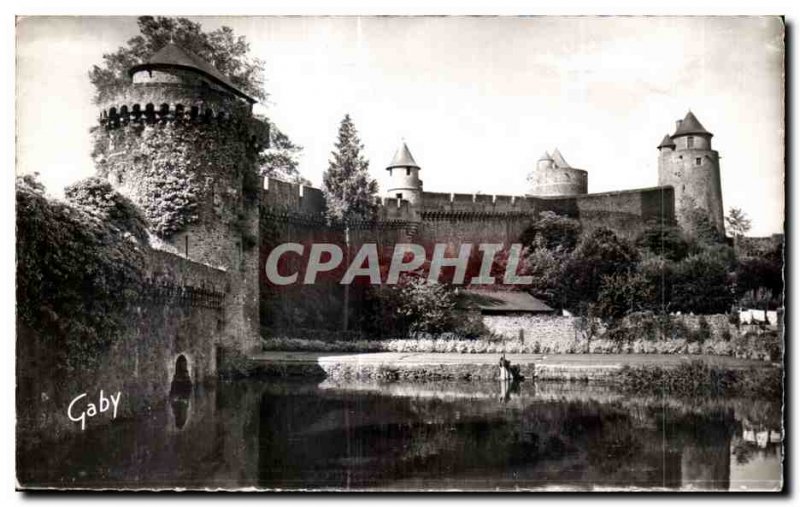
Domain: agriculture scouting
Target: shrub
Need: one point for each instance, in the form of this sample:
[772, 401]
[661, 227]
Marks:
[553, 232]
[97, 197]
[697, 378]
[701, 285]
[77, 276]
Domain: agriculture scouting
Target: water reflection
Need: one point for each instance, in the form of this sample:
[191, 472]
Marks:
[439, 435]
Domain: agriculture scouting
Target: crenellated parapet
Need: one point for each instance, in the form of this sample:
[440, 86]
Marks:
[149, 113]
[476, 203]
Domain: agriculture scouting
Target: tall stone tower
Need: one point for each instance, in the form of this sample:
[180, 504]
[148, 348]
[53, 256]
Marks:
[687, 163]
[404, 177]
[180, 141]
[553, 177]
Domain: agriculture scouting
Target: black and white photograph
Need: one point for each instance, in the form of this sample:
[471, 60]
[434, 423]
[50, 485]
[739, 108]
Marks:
[400, 253]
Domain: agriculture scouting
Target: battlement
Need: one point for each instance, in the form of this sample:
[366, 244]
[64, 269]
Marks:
[198, 112]
[476, 203]
[292, 197]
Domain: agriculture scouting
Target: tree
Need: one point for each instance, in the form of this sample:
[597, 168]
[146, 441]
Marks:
[738, 222]
[702, 285]
[547, 267]
[349, 190]
[280, 160]
[221, 48]
[664, 241]
[553, 231]
[97, 197]
[599, 254]
[623, 293]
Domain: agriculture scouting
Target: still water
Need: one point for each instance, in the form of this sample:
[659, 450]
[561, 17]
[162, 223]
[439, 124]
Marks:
[422, 436]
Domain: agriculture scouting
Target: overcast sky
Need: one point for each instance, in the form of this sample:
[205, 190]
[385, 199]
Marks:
[477, 99]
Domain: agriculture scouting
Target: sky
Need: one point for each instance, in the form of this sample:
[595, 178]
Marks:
[477, 99]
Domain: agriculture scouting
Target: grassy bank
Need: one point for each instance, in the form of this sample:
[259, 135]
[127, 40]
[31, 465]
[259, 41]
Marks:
[753, 347]
[699, 379]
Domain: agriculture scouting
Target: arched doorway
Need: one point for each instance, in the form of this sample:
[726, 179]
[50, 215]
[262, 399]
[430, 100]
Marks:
[180, 390]
[182, 380]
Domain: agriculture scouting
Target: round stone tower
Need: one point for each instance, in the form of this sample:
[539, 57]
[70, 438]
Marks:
[404, 177]
[179, 142]
[687, 163]
[554, 177]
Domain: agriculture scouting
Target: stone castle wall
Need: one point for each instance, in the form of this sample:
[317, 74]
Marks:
[295, 213]
[183, 310]
[625, 212]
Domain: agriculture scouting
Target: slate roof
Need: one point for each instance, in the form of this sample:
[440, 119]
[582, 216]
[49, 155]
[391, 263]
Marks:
[174, 56]
[690, 125]
[503, 302]
[558, 158]
[402, 158]
[667, 141]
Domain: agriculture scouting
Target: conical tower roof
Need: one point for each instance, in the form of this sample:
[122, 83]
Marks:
[402, 158]
[558, 158]
[546, 156]
[666, 142]
[176, 57]
[691, 125]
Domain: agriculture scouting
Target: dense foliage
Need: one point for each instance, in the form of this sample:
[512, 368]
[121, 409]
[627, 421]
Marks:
[553, 232]
[174, 166]
[76, 273]
[737, 222]
[348, 187]
[281, 159]
[665, 270]
[698, 378]
[221, 48]
[97, 197]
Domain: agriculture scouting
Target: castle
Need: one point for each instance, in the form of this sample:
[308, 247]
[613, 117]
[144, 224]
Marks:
[181, 115]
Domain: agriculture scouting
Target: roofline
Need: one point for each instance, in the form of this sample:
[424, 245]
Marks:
[692, 133]
[155, 66]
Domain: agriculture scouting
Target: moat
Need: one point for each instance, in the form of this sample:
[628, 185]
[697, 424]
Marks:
[298, 434]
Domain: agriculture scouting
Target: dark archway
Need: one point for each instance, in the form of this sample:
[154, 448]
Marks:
[180, 390]
[182, 381]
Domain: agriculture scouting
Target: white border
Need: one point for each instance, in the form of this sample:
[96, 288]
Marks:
[346, 7]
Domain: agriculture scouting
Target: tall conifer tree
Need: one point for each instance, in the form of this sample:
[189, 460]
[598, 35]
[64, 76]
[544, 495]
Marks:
[349, 189]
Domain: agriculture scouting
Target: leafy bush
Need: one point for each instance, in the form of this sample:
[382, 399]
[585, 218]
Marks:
[552, 232]
[599, 254]
[414, 305]
[76, 277]
[697, 378]
[701, 285]
[173, 166]
[663, 240]
[96, 196]
[622, 293]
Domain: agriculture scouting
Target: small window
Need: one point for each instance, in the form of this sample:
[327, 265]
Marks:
[690, 142]
[399, 196]
[408, 171]
[698, 161]
[390, 171]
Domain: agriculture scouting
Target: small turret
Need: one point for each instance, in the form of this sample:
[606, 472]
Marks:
[666, 143]
[545, 162]
[404, 176]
